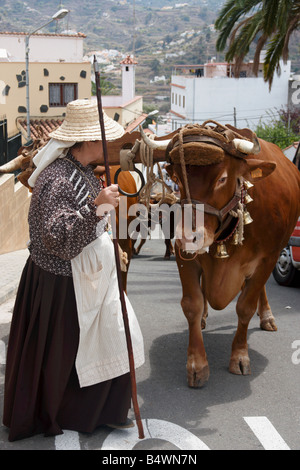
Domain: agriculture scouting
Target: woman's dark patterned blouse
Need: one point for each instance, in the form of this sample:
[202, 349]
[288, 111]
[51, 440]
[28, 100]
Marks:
[62, 215]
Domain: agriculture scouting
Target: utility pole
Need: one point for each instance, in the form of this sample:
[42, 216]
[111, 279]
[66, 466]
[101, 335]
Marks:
[234, 116]
[133, 39]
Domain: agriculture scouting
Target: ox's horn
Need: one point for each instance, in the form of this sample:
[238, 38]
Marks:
[12, 166]
[245, 146]
[154, 144]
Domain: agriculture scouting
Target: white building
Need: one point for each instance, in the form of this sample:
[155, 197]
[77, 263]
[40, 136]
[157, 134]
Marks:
[44, 47]
[57, 74]
[209, 91]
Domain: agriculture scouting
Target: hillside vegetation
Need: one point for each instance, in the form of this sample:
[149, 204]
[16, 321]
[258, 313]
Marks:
[160, 33]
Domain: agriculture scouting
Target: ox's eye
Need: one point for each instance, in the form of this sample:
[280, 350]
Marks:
[222, 180]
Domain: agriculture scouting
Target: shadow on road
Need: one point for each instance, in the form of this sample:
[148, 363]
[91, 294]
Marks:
[166, 395]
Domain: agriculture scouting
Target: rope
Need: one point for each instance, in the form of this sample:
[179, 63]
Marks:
[146, 155]
[183, 167]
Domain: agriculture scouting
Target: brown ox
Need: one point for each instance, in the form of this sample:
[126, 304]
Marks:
[214, 166]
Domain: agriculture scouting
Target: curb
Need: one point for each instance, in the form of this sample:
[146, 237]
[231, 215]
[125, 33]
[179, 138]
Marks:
[11, 267]
[8, 291]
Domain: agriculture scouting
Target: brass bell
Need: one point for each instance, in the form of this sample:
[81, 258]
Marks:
[235, 238]
[248, 199]
[247, 184]
[247, 218]
[221, 251]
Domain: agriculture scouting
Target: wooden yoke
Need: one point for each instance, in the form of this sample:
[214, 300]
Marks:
[127, 141]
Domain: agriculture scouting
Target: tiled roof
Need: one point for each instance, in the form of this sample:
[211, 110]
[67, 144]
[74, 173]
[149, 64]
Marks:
[128, 60]
[134, 125]
[38, 126]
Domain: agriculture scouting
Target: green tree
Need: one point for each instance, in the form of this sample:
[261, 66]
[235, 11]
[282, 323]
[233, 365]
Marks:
[266, 23]
[279, 131]
[105, 85]
[155, 66]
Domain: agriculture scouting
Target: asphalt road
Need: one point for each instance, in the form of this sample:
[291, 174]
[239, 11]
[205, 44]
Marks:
[256, 412]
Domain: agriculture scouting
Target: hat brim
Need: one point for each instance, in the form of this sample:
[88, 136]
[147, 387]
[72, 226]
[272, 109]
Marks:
[82, 124]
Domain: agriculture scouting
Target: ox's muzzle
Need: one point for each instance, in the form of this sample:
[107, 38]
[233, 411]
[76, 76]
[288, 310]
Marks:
[196, 236]
[191, 234]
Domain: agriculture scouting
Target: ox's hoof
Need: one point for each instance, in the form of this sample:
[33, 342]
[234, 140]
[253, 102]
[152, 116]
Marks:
[267, 321]
[268, 324]
[240, 365]
[197, 379]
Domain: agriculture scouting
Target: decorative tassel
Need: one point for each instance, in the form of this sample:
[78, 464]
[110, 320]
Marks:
[240, 228]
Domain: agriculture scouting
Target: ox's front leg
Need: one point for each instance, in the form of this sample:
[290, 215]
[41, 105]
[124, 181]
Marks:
[246, 308]
[193, 305]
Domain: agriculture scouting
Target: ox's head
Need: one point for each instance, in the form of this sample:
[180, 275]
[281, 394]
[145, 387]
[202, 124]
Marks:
[210, 164]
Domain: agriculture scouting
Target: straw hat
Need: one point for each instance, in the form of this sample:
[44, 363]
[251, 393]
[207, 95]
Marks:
[82, 123]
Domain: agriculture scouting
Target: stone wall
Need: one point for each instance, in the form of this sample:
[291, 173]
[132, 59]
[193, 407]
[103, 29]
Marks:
[14, 206]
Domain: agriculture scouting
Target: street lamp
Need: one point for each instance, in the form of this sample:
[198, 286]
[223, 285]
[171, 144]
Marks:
[57, 16]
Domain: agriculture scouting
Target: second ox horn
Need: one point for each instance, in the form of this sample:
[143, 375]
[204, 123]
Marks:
[154, 144]
[247, 147]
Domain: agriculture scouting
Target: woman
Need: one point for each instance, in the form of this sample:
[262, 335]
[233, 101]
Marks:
[66, 361]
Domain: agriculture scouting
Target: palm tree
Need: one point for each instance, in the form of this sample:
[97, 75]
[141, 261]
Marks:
[267, 23]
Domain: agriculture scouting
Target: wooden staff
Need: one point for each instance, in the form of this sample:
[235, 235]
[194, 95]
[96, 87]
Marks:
[118, 267]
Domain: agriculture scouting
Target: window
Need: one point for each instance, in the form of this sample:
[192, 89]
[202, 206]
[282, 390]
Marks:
[60, 94]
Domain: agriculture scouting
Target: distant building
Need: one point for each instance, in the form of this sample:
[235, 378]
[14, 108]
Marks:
[126, 108]
[209, 91]
[57, 75]
[294, 93]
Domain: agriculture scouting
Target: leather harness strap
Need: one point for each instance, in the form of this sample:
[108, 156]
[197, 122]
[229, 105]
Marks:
[219, 213]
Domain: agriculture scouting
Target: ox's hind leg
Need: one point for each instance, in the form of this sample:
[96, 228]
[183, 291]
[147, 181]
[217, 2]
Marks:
[267, 321]
[137, 250]
[192, 305]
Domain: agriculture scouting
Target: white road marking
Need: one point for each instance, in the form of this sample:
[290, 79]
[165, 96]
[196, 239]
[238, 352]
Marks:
[154, 429]
[266, 433]
[69, 440]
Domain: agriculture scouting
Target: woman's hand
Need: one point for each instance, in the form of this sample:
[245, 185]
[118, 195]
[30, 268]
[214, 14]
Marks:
[109, 195]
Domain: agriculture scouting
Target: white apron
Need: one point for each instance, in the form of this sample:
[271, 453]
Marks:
[102, 352]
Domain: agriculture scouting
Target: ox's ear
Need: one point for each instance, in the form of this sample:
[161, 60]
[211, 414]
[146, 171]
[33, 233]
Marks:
[257, 169]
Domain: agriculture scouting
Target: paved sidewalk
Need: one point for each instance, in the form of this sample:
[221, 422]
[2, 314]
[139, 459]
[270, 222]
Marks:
[11, 266]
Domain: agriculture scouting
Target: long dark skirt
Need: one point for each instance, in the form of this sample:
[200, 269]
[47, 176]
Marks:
[42, 393]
